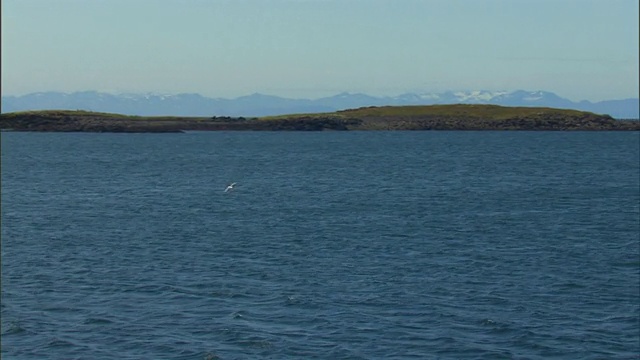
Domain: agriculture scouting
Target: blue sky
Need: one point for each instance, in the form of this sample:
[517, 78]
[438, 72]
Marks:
[579, 49]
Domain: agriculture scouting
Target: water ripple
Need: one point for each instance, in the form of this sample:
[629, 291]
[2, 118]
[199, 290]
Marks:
[383, 245]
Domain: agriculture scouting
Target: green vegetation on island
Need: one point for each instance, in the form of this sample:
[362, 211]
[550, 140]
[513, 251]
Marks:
[432, 117]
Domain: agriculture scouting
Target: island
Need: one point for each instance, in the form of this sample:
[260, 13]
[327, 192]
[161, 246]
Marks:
[430, 117]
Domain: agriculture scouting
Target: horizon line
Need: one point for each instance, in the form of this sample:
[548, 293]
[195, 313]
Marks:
[156, 93]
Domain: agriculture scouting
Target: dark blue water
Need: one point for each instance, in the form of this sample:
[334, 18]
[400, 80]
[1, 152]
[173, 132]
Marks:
[359, 245]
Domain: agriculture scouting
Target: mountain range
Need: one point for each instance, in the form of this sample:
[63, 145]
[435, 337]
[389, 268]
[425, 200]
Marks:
[264, 105]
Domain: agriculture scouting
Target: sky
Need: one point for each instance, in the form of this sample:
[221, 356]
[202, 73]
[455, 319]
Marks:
[578, 49]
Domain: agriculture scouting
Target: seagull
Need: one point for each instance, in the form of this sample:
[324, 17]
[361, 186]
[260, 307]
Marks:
[230, 187]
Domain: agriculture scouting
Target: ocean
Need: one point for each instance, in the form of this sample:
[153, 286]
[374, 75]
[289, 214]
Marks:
[332, 245]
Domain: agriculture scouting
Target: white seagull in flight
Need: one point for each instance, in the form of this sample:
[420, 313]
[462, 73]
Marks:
[230, 187]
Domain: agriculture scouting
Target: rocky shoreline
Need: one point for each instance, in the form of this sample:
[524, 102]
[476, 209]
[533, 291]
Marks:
[435, 117]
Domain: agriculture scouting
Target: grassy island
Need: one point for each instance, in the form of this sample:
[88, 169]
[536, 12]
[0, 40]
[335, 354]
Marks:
[432, 117]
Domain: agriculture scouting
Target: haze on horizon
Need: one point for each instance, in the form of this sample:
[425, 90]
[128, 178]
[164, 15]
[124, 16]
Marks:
[578, 49]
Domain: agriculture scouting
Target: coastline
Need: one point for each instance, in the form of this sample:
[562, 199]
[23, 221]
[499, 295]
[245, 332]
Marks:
[418, 118]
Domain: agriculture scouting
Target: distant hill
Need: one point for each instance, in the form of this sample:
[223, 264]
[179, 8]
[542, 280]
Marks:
[266, 105]
[416, 117]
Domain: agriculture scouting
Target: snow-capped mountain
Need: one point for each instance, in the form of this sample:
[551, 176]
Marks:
[262, 105]
[515, 98]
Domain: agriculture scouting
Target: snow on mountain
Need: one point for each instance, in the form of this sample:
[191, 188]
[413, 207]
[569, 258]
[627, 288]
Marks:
[478, 96]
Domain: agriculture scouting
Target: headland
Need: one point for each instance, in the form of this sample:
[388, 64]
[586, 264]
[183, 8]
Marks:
[431, 117]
